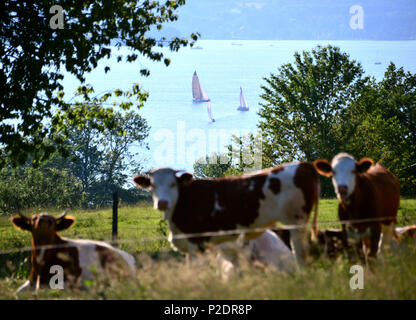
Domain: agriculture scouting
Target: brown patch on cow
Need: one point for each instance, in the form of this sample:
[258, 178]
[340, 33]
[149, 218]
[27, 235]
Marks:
[111, 262]
[306, 179]
[239, 197]
[274, 185]
[66, 257]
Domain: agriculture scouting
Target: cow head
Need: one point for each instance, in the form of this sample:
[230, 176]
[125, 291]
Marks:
[164, 184]
[344, 170]
[43, 226]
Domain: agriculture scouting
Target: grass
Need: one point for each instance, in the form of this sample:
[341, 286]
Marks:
[164, 274]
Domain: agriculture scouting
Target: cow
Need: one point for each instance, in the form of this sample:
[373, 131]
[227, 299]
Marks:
[77, 258]
[267, 251]
[407, 233]
[326, 242]
[285, 193]
[369, 197]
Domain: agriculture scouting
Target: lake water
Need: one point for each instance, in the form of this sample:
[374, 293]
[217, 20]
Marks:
[180, 130]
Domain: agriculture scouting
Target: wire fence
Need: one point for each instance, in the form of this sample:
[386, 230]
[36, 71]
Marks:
[210, 234]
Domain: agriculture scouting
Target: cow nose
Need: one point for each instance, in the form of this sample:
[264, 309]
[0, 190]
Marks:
[343, 191]
[162, 205]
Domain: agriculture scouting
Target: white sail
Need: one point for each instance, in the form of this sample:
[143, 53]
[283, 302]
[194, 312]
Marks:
[198, 92]
[210, 112]
[243, 103]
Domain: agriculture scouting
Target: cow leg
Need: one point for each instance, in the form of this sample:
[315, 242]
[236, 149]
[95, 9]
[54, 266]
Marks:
[387, 235]
[374, 241]
[354, 244]
[190, 258]
[228, 258]
[25, 287]
[299, 242]
[225, 266]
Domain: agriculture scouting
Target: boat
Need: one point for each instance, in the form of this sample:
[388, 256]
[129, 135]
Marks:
[210, 112]
[243, 103]
[377, 62]
[197, 91]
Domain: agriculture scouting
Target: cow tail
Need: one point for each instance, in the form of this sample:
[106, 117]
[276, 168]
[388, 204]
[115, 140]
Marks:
[314, 234]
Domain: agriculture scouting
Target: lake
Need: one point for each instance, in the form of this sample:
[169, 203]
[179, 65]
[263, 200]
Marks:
[181, 131]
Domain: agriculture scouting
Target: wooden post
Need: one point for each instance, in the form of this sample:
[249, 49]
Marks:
[115, 216]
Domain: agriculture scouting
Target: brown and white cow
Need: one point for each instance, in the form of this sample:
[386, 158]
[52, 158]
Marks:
[77, 258]
[286, 193]
[325, 242]
[365, 191]
[267, 251]
[407, 233]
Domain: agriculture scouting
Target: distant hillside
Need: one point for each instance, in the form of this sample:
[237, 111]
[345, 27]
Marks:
[296, 19]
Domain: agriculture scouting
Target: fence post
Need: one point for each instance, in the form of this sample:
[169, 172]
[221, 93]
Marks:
[115, 216]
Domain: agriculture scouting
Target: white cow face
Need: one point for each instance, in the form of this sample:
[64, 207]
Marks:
[343, 170]
[165, 186]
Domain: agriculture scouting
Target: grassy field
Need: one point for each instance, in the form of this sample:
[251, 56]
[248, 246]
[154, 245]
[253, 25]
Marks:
[164, 274]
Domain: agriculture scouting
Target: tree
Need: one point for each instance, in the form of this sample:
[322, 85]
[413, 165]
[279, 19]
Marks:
[119, 162]
[103, 160]
[322, 105]
[303, 103]
[31, 188]
[381, 124]
[32, 54]
[213, 166]
[244, 155]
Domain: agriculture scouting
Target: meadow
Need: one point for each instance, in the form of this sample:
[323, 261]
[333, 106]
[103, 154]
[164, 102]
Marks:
[164, 273]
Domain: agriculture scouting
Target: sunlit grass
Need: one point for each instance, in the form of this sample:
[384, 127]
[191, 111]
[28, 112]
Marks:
[163, 274]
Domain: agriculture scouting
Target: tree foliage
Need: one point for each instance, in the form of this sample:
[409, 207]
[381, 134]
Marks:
[303, 103]
[213, 166]
[384, 123]
[103, 161]
[322, 105]
[33, 55]
[44, 187]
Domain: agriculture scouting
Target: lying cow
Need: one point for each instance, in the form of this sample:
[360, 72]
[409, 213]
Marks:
[365, 191]
[327, 242]
[266, 251]
[285, 193]
[407, 233]
[76, 257]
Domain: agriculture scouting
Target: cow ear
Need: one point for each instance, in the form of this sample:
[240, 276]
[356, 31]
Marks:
[323, 167]
[142, 181]
[22, 223]
[185, 179]
[64, 223]
[364, 164]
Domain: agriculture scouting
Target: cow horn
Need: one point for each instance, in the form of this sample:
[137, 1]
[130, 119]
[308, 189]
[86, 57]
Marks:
[62, 215]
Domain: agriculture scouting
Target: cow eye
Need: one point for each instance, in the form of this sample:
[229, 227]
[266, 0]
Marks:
[173, 184]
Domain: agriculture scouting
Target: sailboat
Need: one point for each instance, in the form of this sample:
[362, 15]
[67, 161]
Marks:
[210, 112]
[197, 91]
[243, 103]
